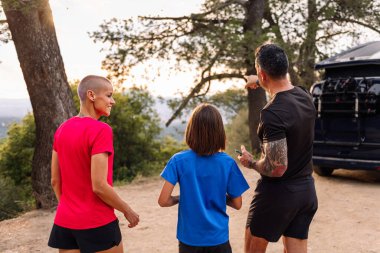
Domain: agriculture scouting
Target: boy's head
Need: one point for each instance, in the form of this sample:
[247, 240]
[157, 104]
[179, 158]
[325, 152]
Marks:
[205, 133]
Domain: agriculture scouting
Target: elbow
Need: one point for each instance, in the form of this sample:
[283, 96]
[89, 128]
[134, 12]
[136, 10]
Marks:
[98, 188]
[238, 204]
[162, 203]
[279, 171]
[54, 182]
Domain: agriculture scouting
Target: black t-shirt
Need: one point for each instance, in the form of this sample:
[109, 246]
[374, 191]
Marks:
[291, 115]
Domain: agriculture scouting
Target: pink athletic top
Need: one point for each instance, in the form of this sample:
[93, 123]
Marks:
[75, 141]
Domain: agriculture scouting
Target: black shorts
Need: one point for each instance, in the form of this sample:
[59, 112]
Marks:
[87, 240]
[282, 208]
[221, 248]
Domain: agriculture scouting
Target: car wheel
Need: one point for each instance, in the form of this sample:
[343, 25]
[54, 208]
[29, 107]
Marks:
[323, 171]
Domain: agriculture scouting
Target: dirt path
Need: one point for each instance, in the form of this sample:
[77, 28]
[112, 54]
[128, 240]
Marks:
[348, 219]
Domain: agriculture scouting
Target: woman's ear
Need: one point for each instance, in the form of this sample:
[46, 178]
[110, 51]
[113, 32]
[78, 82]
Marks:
[91, 95]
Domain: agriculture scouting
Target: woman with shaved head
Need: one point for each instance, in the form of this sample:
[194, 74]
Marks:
[81, 177]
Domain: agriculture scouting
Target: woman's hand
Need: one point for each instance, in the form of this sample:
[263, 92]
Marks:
[132, 217]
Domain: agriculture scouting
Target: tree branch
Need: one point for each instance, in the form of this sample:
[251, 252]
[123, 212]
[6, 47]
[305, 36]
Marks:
[197, 88]
[328, 36]
[3, 21]
[199, 16]
[193, 17]
[348, 20]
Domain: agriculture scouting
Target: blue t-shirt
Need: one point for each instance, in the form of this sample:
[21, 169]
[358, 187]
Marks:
[204, 182]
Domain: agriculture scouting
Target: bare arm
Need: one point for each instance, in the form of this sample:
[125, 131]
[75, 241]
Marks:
[100, 186]
[55, 175]
[273, 161]
[234, 202]
[166, 199]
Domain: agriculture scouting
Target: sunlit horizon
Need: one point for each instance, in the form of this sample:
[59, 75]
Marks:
[81, 56]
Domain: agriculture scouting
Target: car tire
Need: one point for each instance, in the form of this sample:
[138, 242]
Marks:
[323, 171]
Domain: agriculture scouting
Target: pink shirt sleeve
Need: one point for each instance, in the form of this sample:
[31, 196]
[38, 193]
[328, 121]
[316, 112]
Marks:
[103, 142]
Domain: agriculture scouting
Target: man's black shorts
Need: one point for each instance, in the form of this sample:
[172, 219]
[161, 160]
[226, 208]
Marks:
[282, 208]
[221, 248]
[87, 240]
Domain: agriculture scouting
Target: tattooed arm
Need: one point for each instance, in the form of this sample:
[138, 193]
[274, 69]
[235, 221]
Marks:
[273, 161]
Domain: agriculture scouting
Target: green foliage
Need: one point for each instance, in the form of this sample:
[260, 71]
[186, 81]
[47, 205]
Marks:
[16, 154]
[212, 43]
[230, 101]
[10, 199]
[237, 132]
[74, 86]
[218, 42]
[136, 128]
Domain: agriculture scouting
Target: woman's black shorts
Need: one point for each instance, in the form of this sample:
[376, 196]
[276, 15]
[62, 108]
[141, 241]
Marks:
[282, 208]
[87, 240]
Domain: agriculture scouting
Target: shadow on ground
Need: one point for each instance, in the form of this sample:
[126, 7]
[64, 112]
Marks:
[359, 176]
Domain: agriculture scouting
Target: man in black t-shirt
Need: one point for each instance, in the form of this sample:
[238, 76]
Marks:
[285, 200]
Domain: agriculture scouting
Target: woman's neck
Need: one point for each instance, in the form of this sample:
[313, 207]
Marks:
[83, 113]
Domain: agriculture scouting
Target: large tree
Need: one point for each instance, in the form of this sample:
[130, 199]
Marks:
[33, 33]
[218, 42]
[311, 30]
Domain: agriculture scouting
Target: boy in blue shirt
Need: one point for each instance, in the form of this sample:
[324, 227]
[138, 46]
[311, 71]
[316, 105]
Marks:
[209, 180]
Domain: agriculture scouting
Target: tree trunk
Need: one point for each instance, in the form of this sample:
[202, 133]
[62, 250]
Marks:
[308, 48]
[32, 28]
[256, 98]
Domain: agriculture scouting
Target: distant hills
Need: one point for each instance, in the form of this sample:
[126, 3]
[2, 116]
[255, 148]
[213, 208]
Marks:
[12, 110]
[14, 107]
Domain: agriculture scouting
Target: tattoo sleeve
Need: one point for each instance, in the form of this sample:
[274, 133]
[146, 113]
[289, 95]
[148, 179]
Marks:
[274, 159]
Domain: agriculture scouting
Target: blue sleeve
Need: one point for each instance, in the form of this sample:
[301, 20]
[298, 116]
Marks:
[236, 182]
[170, 172]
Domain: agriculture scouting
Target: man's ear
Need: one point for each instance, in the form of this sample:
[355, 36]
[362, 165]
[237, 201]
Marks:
[91, 95]
[264, 75]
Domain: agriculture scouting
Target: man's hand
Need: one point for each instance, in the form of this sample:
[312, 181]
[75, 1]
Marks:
[132, 217]
[246, 159]
[251, 82]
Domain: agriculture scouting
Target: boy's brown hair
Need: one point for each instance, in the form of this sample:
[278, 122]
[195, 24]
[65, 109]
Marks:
[205, 133]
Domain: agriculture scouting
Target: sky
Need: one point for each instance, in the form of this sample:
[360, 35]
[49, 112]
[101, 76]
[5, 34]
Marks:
[73, 20]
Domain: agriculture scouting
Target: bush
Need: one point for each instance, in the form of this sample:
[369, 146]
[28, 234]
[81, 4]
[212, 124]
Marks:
[16, 154]
[10, 204]
[237, 132]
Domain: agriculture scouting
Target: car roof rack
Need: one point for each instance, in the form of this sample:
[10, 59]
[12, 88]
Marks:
[365, 54]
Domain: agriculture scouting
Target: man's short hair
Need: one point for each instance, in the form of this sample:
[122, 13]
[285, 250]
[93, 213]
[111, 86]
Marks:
[273, 60]
[90, 82]
[205, 133]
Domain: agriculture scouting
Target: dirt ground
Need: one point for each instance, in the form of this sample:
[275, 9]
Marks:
[348, 219]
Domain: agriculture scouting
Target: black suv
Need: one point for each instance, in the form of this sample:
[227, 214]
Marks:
[347, 129]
